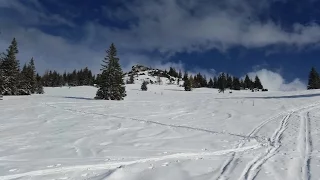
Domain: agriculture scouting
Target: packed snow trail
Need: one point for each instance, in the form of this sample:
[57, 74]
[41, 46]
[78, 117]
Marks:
[116, 165]
[304, 146]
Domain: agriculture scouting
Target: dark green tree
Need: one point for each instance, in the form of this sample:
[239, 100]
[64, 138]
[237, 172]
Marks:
[187, 83]
[31, 76]
[257, 83]
[222, 82]
[210, 83]
[39, 86]
[144, 86]
[131, 78]
[10, 70]
[236, 84]
[229, 82]
[24, 86]
[111, 86]
[215, 82]
[314, 79]
[248, 83]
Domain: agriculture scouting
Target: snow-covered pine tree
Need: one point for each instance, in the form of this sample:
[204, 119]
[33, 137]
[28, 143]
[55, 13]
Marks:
[10, 69]
[314, 79]
[111, 86]
[31, 76]
[1, 75]
[24, 86]
[39, 86]
[144, 86]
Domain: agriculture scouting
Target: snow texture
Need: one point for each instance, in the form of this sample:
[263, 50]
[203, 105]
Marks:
[162, 133]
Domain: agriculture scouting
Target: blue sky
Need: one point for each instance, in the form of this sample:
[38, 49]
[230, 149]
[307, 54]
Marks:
[276, 39]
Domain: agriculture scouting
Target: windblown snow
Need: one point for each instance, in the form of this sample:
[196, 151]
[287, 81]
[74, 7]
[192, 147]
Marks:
[164, 133]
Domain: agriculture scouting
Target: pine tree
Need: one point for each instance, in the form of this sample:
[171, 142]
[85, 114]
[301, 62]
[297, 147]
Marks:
[31, 76]
[24, 86]
[179, 74]
[215, 82]
[222, 82]
[187, 84]
[236, 84]
[248, 82]
[229, 82]
[39, 86]
[10, 69]
[131, 79]
[210, 83]
[159, 79]
[314, 79]
[257, 83]
[144, 86]
[112, 85]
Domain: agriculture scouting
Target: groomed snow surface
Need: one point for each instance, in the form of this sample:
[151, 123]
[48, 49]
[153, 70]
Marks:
[162, 134]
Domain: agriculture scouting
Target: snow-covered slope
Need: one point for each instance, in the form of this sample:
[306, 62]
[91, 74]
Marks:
[164, 133]
[150, 75]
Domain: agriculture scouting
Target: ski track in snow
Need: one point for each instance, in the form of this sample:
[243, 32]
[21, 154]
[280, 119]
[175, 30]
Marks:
[304, 147]
[253, 168]
[225, 171]
[116, 165]
[154, 122]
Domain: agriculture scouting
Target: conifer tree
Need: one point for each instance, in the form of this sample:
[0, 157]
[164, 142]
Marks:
[144, 86]
[314, 79]
[39, 86]
[24, 86]
[210, 83]
[248, 82]
[215, 82]
[131, 78]
[179, 74]
[10, 69]
[222, 82]
[229, 82]
[236, 84]
[31, 76]
[187, 84]
[257, 83]
[111, 85]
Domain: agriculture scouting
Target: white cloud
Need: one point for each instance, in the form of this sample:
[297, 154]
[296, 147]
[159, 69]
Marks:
[274, 81]
[165, 26]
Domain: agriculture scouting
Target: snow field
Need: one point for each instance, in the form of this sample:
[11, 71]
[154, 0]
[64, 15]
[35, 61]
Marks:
[164, 133]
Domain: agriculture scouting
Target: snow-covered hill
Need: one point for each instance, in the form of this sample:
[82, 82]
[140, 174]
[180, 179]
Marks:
[164, 133]
[152, 76]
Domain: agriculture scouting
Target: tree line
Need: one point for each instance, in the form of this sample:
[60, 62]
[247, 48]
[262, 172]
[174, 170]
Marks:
[16, 81]
[82, 77]
[222, 82]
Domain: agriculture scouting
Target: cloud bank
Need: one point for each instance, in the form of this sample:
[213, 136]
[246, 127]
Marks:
[166, 27]
[275, 82]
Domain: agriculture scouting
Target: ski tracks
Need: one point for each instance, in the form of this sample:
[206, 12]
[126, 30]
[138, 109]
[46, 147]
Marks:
[253, 167]
[117, 165]
[305, 145]
[155, 123]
